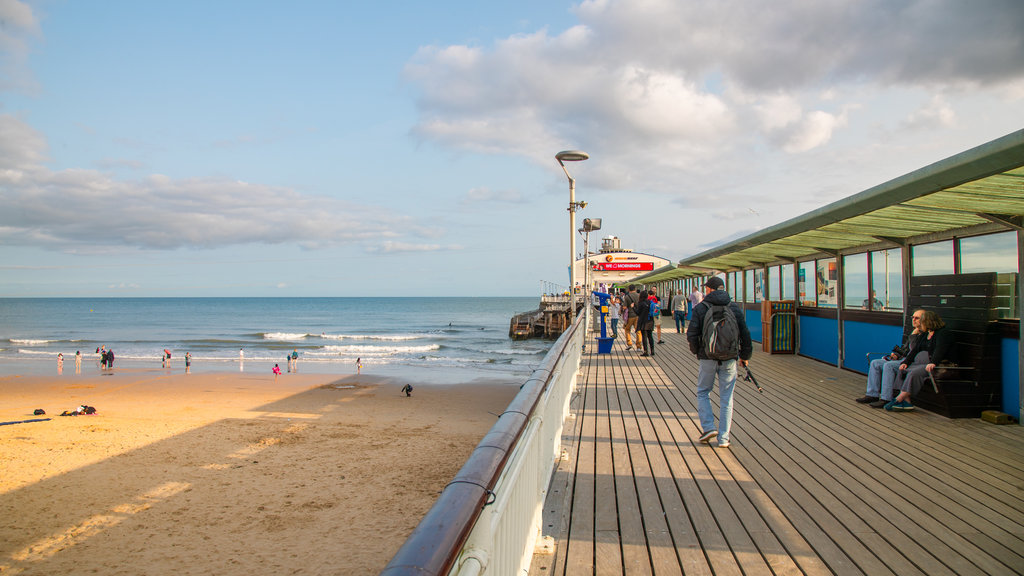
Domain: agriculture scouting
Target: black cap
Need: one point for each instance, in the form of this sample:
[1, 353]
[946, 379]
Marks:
[714, 283]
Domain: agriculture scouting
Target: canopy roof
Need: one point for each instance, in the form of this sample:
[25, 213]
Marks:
[977, 191]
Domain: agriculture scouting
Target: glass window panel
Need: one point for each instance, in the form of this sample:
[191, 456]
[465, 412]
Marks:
[932, 259]
[855, 281]
[787, 282]
[748, 282]
[805, 284]
[989, 253]
[758, 285]
[773, 283]
[887, 279]
[827, 280]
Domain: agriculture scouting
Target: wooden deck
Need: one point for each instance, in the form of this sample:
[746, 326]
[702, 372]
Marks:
[812, 484]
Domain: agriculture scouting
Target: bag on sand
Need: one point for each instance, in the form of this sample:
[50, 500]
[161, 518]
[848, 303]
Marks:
[720, 334]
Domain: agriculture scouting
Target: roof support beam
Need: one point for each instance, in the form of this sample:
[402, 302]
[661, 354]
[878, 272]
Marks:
[1014, 222]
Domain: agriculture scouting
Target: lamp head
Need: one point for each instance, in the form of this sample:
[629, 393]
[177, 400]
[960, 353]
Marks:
[571, 156]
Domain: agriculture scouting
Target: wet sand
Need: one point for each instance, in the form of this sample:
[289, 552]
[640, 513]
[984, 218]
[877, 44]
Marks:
[226, 473]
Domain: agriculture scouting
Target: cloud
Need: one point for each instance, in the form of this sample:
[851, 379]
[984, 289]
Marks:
[392, 247]
[669, 94]
[18, 25]
[72, 208]
[936, 113]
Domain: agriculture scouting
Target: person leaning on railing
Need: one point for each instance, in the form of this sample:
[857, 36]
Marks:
[932, 349]
[882, 371]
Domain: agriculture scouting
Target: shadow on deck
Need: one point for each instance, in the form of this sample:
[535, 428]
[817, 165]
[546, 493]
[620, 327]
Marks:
[812, 484]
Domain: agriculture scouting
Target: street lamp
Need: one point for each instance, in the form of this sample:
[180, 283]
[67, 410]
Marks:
[589, 225]
[563, 157]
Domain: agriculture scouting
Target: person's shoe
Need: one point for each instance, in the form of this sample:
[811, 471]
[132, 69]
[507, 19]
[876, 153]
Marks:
[723, 444]
[645, 354]
[661, 341]
[904, 406]
[707, 436]
[888, 405]
[878, 403]
[866, 399]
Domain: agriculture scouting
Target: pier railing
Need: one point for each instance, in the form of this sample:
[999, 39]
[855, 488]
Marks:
[489, 516]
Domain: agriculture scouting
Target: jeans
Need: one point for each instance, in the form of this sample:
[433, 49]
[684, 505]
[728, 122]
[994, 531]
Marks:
[726, 372]
[615, 327]
[680, 316]
[881, 376]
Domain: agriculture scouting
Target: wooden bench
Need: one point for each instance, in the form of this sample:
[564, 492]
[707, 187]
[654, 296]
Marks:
[967, 304]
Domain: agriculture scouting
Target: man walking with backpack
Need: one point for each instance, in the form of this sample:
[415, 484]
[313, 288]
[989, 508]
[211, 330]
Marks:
[719, 336]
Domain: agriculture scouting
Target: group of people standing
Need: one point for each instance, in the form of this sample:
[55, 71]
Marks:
[714, 319]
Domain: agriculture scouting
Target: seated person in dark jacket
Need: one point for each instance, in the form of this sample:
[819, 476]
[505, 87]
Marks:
[930, 350]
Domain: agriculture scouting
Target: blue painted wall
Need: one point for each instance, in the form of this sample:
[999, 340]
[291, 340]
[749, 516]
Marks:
[819, 339]
[861, 338]
[1011, 377]
[753, 318]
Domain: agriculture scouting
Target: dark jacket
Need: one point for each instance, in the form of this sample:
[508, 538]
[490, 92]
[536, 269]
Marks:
[630, 302]
[643, 315]
[938, 347]
[695, 332]
[902, 351]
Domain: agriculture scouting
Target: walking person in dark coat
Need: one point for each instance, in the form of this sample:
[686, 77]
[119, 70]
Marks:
[725, 370]
[645, 324]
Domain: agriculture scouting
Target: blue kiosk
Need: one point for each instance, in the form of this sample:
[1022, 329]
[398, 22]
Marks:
[604, 341]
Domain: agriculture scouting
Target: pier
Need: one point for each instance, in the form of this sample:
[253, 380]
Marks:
[548, 321]
[812, 484]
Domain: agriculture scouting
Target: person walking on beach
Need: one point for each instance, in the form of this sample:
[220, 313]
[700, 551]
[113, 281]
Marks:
[407, 389]
[188, 362]
[60, 363]
[679, 311]
[276, 371]
[110, 359]
[719, 336]
[78, 362]
[295, 360]
[359, 365]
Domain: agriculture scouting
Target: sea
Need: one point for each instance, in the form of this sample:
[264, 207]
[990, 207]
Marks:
[437, 340]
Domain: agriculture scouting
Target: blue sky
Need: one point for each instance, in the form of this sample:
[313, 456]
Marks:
[395, 148]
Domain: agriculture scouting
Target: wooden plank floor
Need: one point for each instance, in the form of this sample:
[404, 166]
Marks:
[812, 484]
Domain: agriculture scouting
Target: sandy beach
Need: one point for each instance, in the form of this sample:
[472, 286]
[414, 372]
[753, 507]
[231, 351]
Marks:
[226, 473]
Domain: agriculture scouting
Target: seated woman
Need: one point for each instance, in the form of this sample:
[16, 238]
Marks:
[882, 371]
[928, 352]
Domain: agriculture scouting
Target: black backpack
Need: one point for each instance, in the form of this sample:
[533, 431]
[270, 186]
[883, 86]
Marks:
[720, 333]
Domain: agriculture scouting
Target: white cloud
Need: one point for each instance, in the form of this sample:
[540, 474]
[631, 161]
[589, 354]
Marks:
[668, 94]
[936, 113]
[72, 208]
[392, 247]
[18, 25]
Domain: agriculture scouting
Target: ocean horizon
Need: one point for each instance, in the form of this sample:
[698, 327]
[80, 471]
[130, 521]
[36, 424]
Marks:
[436, 339]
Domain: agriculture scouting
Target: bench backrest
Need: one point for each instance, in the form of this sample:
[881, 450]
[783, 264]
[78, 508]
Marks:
[967, 304]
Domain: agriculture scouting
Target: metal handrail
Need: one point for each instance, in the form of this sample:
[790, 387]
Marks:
[435, 544]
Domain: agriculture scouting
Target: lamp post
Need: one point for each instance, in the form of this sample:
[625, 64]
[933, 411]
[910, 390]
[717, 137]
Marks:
[563, 157]
[589, 225]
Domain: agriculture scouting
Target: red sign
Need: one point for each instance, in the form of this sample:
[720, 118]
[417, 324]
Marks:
[631, 266]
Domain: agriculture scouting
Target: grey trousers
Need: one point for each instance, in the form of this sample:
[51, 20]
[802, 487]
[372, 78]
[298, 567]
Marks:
[915, 376]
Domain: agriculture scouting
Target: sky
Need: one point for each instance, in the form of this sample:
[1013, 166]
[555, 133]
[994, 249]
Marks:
[251, 148]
